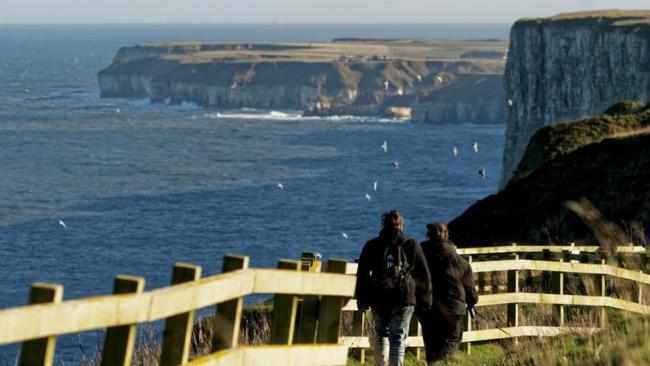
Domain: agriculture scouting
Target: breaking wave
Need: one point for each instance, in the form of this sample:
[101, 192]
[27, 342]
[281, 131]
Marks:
[253, 114]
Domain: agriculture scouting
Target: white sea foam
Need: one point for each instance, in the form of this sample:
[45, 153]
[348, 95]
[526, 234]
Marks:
[253, 114]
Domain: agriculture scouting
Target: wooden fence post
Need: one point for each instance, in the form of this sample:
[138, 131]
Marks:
[119, 341]
[513, 287]
[40, 352]
[639, 293]
[467, 327]
[284, 310]
[226, 321]
[329, 314]
[415, 331]
[359, 330]
[307, 324]
[601, 290]
[178, 328]
[467, 320]
[557, 287]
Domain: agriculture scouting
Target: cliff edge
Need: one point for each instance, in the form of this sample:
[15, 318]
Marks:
[571, 66]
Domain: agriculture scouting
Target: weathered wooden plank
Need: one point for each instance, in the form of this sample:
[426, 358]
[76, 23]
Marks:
[178, 328]
[40, 352]
[226, 321]
[284, 310]
[534, 265]
[483, 335]
[329, 314]
[296, 355]
[519, 248]
[119, 340]
[270, 281]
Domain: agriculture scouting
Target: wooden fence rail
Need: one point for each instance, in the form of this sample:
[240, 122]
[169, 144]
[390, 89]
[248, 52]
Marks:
[308, 307]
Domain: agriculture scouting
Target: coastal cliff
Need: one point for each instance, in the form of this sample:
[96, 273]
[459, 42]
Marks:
[571, 66]
[604, 159]
[318, 79]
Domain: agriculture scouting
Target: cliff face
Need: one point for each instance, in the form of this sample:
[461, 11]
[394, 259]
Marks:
[571, 66]
[289, 76]
[605, 160]
[475, 98]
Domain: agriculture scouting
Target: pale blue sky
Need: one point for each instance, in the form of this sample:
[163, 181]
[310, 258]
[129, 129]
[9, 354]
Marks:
[322, 11]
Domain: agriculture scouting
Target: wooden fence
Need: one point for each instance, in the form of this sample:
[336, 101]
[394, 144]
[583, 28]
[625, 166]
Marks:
[308, 305]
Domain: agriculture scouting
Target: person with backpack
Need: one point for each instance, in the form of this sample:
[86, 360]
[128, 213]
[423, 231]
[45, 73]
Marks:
[392, 278]
[453, 294]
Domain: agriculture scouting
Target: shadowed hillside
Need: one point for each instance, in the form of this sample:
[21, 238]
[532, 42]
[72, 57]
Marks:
[605, 160]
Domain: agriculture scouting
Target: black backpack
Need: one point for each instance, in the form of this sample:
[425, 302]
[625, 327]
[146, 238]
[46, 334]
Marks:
[396, 272]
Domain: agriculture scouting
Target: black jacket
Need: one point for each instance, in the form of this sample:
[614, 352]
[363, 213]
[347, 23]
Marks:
[416, 286]
[451, 277]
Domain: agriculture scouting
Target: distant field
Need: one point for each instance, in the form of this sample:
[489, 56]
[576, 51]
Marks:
[360, 50]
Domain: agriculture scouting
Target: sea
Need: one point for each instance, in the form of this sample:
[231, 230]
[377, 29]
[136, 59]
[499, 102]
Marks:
[91, 188]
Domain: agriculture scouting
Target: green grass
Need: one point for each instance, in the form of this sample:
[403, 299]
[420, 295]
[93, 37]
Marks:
[625, 342]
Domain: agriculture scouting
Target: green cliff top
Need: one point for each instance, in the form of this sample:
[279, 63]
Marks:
[550, 142]
[345, 51]
[631, 19]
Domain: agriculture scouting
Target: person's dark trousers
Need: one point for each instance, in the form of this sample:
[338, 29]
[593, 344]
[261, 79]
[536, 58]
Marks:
[391, 330]
[442, 335]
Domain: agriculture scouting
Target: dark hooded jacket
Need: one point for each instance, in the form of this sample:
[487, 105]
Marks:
[451, 277]
[416, 286]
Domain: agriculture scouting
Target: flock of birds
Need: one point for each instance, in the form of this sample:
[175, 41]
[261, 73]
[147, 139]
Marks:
[454, 151]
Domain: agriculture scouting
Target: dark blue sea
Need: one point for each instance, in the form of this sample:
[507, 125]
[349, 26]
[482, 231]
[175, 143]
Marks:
[140, 187]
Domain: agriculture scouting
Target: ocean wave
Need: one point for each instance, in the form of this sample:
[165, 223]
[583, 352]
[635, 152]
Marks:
[253, 114]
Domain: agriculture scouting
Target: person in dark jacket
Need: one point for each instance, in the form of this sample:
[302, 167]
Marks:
[392, 277]
[453, 294]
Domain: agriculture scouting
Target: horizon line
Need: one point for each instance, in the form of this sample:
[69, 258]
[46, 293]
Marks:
[257, 23]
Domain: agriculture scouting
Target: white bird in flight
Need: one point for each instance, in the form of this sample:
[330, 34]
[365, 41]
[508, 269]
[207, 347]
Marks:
[454, 150]
[384, 146]
[510, 103]
[374, 186]
[395, 164]
[439, 79]
[368, 197]
[344, 235]
[280, 186]
[62, 224]
[385, 84]
[482, 173]
[475, 147]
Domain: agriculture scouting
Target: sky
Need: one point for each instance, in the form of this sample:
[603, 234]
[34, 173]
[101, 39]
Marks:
[294, 11]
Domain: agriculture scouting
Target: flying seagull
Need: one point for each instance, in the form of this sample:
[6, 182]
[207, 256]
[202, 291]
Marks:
[385, 84]
[62, 224]
[482, 173]
[454, 150]
[419, 77]
[475, 147]
[280, 186]
[368, 197]
[509, 102]
[439, 79]
[395, 164]
[344, 235]
[384, 146]
[374, 186]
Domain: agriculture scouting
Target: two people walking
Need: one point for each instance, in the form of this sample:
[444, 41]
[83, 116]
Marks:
[396, 277]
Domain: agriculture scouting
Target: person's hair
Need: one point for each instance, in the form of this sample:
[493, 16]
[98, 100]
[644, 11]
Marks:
[437, 230]
[392, 220]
